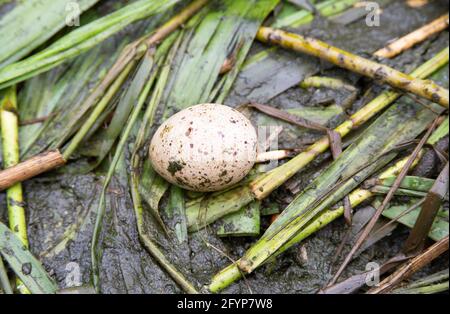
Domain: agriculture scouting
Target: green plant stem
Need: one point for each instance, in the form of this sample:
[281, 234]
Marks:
[379, 210]
[103, 103]
[10, 141]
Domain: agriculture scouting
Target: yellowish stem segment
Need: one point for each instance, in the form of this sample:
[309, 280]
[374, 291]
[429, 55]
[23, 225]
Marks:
[423, 88]
[419, 35]
[10, 146]
[327, 82]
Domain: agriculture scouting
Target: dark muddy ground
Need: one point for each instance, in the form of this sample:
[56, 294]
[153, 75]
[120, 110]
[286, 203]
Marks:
[58, 204]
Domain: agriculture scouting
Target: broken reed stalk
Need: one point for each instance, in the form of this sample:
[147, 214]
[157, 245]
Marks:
[411, 267]
[30, 168]
[9, 123]
[370, 225]
[327, 82]
[417, 36]
[424, 88]
[102, 93]
[265, 184]
[232, 273]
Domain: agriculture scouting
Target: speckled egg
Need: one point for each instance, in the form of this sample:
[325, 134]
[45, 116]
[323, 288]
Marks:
[204, 148]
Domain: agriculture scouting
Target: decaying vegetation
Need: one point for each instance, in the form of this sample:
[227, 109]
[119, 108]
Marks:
[356, 118]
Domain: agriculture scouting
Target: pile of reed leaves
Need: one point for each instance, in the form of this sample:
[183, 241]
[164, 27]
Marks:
[125, 204]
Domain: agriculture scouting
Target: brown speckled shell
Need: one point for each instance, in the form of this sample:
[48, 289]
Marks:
[204, 148]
